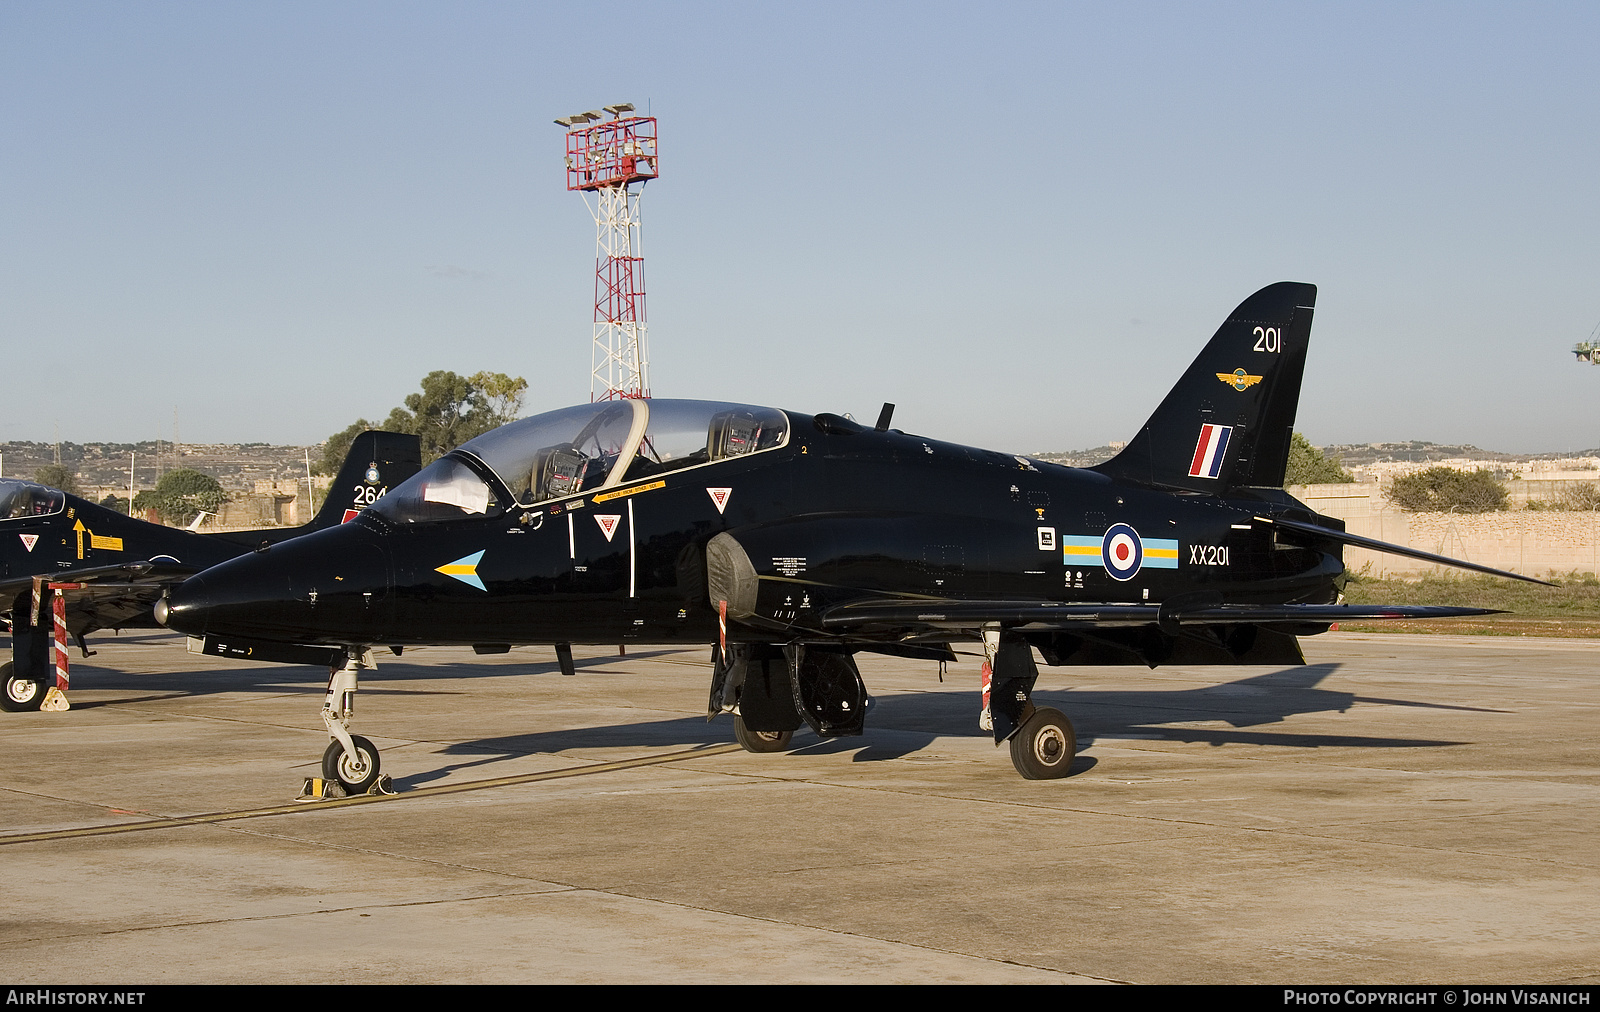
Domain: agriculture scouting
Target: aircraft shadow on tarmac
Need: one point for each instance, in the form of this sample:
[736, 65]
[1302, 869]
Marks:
[899, 724]
[903, 724]
[280, 679]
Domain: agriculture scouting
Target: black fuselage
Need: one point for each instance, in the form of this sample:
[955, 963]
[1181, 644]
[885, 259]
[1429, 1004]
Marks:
[840, 513]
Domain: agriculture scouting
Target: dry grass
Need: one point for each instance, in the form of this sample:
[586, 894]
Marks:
[1571, 608]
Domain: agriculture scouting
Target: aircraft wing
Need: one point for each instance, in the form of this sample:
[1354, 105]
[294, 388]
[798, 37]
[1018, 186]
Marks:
[107, 597]
[887, 615]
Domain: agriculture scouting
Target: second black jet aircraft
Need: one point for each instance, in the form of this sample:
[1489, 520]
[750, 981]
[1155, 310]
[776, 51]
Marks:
[118, 566]
[792, 542]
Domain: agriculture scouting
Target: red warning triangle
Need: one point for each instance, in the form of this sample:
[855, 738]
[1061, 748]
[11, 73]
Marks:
[720, 497]
[28, 540]
[608, 523]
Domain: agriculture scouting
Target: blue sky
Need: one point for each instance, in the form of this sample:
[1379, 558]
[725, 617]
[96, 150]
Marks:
[1019, 222]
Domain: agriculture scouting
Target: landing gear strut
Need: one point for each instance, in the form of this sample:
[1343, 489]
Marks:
[1042, 740]
[27, 676]
[350, 759]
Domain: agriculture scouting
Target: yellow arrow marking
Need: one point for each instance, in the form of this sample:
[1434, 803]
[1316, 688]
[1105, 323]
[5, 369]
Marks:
[105, 543]
[619, 493]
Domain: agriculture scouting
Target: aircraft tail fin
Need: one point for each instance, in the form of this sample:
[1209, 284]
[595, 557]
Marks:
[1228, 421]
[376, 463]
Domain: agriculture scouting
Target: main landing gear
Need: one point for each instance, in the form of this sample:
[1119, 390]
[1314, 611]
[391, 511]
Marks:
[1043, 747]
[773, 690]
[19, 694]
[759, 741]
[1042, 740]
[350, 761]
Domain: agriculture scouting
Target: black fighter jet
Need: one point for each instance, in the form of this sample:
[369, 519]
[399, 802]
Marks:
[119, 566]
[792, 542]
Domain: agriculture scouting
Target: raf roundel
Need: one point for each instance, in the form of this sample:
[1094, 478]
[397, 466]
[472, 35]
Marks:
[1122, 552]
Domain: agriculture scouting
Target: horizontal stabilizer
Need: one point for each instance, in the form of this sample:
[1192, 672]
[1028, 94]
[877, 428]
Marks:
[1357, 541]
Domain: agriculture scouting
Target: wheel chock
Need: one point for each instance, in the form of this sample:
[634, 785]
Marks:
[55, 701]
[320, 789]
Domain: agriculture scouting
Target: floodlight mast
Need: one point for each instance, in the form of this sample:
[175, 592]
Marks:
[605, 158]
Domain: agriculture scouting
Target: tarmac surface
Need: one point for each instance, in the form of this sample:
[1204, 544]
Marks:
[1411, 809]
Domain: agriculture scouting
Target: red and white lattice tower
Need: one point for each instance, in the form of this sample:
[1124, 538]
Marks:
[605, 158]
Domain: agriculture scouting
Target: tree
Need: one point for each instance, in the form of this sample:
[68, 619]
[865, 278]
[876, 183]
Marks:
[1448, 489]
[503, 393]
[449, 410]
[57, 476]
[1582, 496]
[1310, 466]
[115, 503]
[180, 495]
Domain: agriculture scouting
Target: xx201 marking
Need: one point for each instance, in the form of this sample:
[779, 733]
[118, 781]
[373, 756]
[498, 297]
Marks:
[1208, 555]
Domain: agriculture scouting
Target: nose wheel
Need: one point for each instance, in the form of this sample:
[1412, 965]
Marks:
[355, 770]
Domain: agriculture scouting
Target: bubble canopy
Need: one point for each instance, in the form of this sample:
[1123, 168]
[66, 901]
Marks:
[581, 449]
[24, 499]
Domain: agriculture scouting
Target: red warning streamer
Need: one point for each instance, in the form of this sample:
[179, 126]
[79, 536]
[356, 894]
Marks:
[59, 607]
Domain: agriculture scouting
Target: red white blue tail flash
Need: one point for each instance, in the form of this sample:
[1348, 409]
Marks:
[1209, 451]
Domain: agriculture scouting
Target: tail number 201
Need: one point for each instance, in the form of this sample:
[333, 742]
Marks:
[1269, 339]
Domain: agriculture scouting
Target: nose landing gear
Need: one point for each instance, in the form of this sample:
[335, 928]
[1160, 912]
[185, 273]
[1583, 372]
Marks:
[350, 761]
[355, 767]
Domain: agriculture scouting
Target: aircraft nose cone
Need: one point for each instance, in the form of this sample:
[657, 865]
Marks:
[185, 609]
[329, 586]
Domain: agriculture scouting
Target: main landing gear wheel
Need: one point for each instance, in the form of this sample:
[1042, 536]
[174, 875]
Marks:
[19, 694]
[355, 773]
[1043, 747]
[760, 741]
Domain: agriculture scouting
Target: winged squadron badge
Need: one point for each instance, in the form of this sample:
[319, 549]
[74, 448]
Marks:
[1239, 379]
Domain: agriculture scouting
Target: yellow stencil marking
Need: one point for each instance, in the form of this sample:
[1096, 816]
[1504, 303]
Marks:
[619, 493]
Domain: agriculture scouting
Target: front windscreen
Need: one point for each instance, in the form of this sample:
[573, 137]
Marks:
[21, 499]
[560, 452]
[446, 489]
